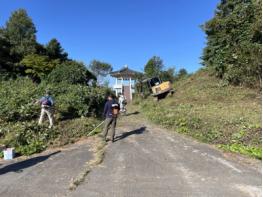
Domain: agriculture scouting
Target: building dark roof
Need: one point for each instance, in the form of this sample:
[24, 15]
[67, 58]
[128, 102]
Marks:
[125, 73]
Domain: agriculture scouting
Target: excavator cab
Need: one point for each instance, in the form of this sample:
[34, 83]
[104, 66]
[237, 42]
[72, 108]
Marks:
[158, 88]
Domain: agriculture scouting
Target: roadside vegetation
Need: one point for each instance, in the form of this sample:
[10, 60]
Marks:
[27, 70]
[207, 109]
[77, 107]
[221, 103]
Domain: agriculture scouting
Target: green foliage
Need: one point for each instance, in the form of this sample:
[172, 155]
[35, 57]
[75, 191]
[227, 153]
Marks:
[21, 33]
[100, 69]
[6, 60]
[40, 49]
[55, 51]
[153, 67]
[16, 100]
[234, 42]
[204, 109]
[38, 66]
[21, 54]
[245, 150]
[181, 74]
[168, 75]
[76, 107]
[71, 130]
[18, 96]
[77, 100]
[29, 138]
[139, 82]
[72, 72]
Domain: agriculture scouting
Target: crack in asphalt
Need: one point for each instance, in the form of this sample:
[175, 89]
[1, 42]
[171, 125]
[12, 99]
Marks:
[154, 162]
[145, 161]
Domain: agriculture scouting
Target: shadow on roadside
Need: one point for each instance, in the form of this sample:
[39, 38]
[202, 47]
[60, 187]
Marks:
[133, 132]
[133, 113]
[19, 166]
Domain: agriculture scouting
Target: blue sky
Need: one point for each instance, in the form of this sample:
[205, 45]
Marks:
[121, 31]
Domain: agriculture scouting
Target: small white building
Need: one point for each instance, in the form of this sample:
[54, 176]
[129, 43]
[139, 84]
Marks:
[125, 82]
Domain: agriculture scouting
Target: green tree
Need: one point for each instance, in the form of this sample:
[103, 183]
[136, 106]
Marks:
[168, 75]
[234, 43]
[38, 66]
[40, 49]
[100, 69]
[55, 51]
[6, 60]
[72, 72]
[21, 33]
[153, 67]
[182, 73]
[139, 77]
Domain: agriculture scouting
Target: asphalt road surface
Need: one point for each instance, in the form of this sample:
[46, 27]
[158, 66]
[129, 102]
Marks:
[145, 161]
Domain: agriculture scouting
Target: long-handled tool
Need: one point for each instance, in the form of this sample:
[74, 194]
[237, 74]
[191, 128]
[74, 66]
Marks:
[90, 133]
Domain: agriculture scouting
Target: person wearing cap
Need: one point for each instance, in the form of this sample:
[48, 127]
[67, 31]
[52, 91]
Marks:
[111, 110]
[47, 108]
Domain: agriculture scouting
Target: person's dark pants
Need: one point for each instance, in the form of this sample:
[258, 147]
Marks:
[109, 123]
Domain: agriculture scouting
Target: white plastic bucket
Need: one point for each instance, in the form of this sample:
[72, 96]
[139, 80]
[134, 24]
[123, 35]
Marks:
[9, 153]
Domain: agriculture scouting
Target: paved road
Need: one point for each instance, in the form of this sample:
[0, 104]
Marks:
[145, 161]
[149, 162]
[45, 175]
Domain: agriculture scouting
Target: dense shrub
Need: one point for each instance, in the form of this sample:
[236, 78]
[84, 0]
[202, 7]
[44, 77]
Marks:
[71, 72]
[28, 137]
[19, 113]
[16, 103]
[77, 100]
[18, 97]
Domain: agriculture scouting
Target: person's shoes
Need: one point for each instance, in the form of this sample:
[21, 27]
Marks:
[112, 140]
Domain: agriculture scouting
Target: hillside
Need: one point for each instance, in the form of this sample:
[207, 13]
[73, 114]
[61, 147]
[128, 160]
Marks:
[211, 111]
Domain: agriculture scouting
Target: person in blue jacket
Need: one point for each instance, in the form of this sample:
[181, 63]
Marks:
[47, 108]
[111, 111]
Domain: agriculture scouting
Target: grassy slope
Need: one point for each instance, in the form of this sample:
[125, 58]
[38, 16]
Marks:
[206, 109]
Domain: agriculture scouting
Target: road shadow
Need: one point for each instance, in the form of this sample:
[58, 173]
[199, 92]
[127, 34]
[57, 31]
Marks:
[19, 166]
[133, 113]
[133, 132]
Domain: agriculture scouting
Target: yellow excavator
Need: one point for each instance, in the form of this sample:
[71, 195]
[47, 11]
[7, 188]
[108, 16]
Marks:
[158, 89]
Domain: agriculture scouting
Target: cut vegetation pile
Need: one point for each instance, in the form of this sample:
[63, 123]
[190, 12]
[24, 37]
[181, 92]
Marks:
[207, 109]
